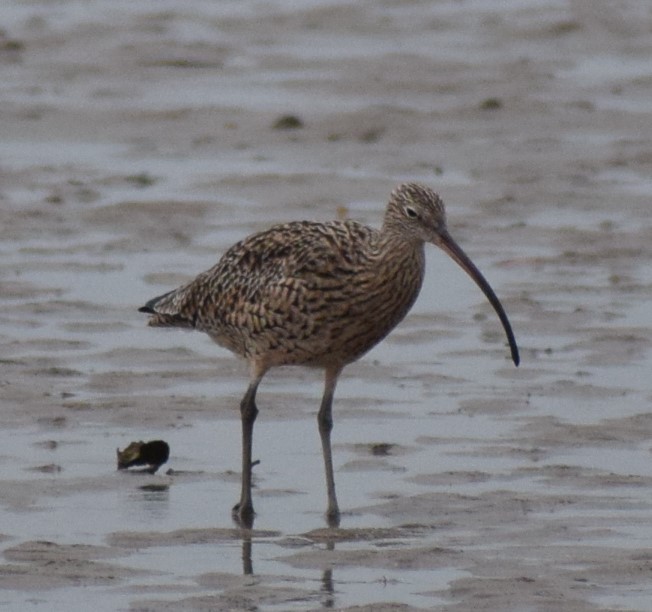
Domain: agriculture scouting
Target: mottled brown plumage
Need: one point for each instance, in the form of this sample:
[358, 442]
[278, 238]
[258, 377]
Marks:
[315, 294]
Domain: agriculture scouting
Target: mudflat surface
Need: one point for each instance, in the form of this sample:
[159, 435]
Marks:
[139, 140]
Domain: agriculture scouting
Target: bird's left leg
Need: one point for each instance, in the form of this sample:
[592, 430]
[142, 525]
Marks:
[243, 511]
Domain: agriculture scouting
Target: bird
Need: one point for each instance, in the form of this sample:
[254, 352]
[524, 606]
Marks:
[316, 294]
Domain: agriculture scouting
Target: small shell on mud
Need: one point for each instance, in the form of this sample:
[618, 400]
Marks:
[152, 454]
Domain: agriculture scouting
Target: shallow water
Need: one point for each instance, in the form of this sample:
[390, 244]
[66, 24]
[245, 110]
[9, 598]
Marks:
[138, 145]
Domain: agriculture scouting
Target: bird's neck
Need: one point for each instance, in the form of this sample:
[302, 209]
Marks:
[394, 246]
[401, 260]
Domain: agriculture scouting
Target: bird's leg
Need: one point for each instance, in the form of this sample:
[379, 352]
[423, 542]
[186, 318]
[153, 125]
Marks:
[325, 421]
[243, 511]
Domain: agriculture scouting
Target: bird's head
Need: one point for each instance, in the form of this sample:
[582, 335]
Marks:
[415, 213]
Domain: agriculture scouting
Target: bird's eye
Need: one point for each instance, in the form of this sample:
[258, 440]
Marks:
[410, 212]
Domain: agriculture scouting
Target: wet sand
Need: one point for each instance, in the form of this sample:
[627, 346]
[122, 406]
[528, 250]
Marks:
[139, 141]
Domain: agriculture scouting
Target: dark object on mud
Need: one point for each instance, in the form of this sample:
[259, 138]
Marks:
[491, 104]
[151, 454]
[381, 449]
[288, 122]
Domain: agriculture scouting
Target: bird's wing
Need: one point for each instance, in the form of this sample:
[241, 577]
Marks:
[298, 250]
[278, 275]
[287, 273]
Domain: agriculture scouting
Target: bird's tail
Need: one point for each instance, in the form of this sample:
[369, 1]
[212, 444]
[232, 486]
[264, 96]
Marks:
[169, 310]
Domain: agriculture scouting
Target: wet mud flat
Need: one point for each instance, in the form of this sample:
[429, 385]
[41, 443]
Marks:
[139, 143]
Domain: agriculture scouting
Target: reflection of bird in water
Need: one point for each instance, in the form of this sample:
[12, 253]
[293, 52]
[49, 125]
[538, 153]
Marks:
[318, 295]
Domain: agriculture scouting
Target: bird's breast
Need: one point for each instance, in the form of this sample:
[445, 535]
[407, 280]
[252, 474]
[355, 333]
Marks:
[349, 317]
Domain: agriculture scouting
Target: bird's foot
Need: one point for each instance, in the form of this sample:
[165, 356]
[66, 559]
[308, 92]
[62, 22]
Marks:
[243, 515]
[333, 517]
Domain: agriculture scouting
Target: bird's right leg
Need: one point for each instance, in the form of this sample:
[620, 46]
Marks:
[243, 511]
[325, 421]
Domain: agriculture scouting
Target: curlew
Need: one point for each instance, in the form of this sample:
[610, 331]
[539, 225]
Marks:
[318, 295]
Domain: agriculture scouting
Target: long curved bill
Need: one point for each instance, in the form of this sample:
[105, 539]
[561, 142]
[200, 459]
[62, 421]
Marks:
[450, 247]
